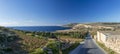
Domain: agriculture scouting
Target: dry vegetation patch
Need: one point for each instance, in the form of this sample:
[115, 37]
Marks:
[30, 43]
[70, 39]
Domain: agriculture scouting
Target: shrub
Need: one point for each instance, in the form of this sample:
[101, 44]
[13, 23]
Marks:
[7, 49]
[54, 46]
[38, 51]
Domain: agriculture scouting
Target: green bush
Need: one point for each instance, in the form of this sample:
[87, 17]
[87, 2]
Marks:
[54, 46]
[38, 51]
[7, 49]
[66, 51]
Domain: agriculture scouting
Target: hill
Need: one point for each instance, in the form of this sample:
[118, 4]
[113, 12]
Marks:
[70, 25]
[17, 42]
[95, 23]
[93, 26]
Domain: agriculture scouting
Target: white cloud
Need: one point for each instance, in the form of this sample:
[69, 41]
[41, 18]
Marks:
[9, 23]
[20, 23]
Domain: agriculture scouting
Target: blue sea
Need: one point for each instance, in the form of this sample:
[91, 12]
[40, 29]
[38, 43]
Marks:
[40, 28]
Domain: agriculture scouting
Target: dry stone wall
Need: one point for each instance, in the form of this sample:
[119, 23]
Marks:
[113, 42]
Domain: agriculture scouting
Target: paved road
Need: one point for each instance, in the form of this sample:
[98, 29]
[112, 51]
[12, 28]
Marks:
[88, 47]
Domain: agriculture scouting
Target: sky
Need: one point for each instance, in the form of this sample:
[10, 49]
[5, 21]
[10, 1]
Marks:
[57, 12]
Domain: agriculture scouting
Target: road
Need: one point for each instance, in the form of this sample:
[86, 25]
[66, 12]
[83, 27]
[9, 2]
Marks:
[89, 46]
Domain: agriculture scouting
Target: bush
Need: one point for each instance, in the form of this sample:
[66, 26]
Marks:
[38, 51]
[66, 51]
[54, 46]
[7, 49]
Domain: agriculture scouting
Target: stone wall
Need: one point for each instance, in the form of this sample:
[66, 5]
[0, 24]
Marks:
[113, 42]
[110, 41]
[101, 37]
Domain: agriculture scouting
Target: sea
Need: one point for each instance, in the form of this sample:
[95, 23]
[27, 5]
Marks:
[40, 28]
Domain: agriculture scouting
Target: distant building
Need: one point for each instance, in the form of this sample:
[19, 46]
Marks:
[111, 39]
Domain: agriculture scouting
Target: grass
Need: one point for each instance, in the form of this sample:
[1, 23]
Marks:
[108, 50]
[73, 46]
[66, 51]
[71, 39]
[30, 43]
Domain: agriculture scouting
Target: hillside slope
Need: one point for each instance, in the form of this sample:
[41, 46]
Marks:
[16, 42]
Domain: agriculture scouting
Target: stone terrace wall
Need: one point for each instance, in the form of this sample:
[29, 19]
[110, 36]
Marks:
[113, 42]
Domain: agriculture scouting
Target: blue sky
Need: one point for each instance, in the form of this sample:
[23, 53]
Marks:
[57, 12]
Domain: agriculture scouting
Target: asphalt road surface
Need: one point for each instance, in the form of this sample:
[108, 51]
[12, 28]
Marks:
[89, 46]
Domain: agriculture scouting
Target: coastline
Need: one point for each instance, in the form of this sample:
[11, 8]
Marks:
[40, 28]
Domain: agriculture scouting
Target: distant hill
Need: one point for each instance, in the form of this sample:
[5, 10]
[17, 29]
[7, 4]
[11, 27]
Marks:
[104, 23]
[95, 26]
[112, 24]
[70, 25]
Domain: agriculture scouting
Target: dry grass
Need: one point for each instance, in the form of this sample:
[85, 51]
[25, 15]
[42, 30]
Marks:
[108, 50]
[30, 43]
[67, 38]
[75, 43]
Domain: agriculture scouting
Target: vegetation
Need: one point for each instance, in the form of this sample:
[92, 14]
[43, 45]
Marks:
[36, 42]
[31, 43]
[13, 40]
[73, 34]
[54, 45]
[6, 38]
[66, 51]
[38, 51]
[108, 50]
[73, 42]
[70, 25]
